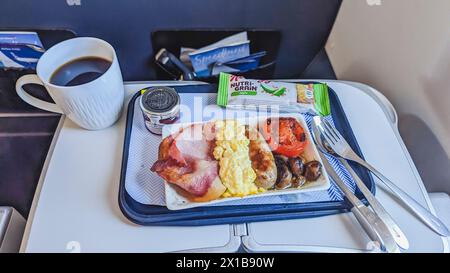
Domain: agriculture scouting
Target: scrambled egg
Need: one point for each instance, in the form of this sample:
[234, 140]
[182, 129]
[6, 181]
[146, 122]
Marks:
[232, 152]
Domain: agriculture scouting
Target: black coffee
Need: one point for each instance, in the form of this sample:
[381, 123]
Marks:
[80, 71]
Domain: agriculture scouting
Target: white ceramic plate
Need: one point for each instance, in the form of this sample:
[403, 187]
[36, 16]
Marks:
[176, 201]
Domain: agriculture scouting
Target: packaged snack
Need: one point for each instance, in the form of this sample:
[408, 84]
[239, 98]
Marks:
[237, 92]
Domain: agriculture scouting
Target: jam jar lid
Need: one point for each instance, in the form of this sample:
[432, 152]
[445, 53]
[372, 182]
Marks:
[160, 100]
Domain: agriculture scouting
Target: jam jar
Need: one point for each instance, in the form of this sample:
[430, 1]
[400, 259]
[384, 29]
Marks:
[160, 106]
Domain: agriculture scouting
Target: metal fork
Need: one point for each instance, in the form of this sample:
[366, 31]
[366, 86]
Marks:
[399, 237]
[340, 146]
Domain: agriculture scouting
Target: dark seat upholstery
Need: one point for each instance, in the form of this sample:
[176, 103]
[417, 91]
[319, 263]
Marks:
[127, 25]
[304, 26]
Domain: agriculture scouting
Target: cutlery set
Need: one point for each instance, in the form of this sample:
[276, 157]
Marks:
[378, 224]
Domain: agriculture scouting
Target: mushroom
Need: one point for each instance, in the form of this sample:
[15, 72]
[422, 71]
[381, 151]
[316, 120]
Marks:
[283, 158]
[313, 170]
[284, 177]
[298, 181]
[297, 166]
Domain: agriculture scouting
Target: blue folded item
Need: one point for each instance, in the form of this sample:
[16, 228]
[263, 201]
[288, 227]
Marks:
[20, 50]
[201, 61]
[244, 64]
[253, 57]
[228, 49]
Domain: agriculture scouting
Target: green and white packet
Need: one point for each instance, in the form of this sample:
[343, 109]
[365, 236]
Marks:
[237, 92]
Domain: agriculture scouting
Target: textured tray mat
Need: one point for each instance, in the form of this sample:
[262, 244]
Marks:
[148, 188]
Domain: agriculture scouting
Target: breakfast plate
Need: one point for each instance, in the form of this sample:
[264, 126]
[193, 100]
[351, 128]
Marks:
[176, 198]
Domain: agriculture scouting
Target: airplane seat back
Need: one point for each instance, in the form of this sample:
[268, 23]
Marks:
[127, 25]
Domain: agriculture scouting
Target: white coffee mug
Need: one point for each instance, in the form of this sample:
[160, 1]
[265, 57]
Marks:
[93, 105]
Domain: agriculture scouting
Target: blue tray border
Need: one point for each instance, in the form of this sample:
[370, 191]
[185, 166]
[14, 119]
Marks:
[150, 215]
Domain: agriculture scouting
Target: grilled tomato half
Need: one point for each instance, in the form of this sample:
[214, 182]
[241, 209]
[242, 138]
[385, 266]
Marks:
[285, 136]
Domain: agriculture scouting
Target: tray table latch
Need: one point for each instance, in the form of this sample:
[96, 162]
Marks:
[240, 230]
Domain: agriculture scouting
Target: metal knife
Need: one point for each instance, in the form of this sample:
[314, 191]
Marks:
[395, 230]
[372, 224]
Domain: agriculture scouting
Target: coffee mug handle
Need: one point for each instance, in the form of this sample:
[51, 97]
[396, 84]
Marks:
[33, 79]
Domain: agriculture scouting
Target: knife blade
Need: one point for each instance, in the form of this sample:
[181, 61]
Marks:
[394, 229]
[374, 226]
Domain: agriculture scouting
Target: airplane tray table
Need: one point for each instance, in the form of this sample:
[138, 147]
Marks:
[76, 198]
[143, 213]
